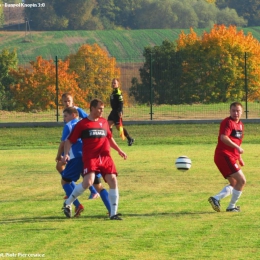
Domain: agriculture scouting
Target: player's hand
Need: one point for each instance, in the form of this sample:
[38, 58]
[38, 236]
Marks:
[122, 154]
[240, 150]
[58, 158]
[241, 162]
[65, 159]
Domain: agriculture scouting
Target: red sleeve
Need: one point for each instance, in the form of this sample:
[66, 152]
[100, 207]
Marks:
[109, 134]
[225, 127]
[75, 134]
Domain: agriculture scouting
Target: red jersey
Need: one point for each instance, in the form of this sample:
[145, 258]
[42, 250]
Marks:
[235, 131]
[95, 136]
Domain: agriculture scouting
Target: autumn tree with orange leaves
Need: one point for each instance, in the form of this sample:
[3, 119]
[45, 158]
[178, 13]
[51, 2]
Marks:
[85, 75]
[35, 87]
[205, 69]
[95, 70]
[215, 64]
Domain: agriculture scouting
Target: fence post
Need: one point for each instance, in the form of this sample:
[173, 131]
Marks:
[246, 88]
[151, 89]
[57, 89]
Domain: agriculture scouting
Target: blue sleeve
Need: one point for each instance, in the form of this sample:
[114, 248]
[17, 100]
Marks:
[82, 113]
[65, 133]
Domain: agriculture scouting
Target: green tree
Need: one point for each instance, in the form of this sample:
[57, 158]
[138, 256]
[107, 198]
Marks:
[202, 69]
[2, 20]
[76, 12]
[249, 10]
[160, 74]
[155, 15]
[45, 18]
[8, 61]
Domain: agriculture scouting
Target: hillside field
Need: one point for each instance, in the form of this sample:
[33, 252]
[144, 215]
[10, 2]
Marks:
[124, 45]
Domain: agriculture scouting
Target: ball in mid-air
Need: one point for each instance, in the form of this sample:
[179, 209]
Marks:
[183, 163]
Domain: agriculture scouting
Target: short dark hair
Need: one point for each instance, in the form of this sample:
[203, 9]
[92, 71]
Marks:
[66, 94]
[71, 110]
[234, 104]
[94, 102]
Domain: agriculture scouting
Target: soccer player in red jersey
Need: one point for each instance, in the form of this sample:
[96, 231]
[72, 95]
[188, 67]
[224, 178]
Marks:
[228, 158]
[97, 139]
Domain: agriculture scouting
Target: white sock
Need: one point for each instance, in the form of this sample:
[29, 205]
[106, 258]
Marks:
[113, 196]
[78, 190]
[235, 196]
[226, 191]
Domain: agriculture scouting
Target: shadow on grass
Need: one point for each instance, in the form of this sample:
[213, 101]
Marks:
[97, 217]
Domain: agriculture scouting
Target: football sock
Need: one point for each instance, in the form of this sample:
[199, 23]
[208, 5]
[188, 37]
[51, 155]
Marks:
[235, 196]
[126, 134]
[73, 184]
[78, 190]
[226, 191]
[92, 189]
[113, 195]
[104, 196]
[68, 188]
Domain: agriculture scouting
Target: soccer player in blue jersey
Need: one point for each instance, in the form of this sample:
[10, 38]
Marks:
[74, 167]
[67, 101]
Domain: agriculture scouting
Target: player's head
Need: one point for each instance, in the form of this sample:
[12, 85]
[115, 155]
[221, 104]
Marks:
[236, 110]
[115, 83]
[96, 108]
[70, 113]
[67, 100]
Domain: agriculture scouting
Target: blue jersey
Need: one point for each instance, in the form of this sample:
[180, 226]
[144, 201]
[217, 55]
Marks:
[82, 113]
[76, 148]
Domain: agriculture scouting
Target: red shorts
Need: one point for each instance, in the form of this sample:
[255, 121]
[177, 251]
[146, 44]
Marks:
[101, 164]
[227, 165]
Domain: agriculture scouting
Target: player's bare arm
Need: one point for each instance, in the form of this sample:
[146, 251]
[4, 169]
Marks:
[67, 146]
[60, 151]
[114, 145]
[226, 140]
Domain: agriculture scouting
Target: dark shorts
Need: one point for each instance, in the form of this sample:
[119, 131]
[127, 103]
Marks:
[113, 116]
[73, 169]
[227, 165]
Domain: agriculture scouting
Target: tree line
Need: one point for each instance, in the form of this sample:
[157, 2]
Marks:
[141, 14]
[210, 68]
[207, 69]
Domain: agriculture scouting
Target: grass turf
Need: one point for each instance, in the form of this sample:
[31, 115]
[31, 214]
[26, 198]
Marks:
[166, 213]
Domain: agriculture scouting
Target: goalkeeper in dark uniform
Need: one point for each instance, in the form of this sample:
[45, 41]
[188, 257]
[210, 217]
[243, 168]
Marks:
[116, 102]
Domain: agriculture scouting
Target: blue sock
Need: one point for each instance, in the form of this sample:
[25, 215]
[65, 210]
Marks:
[105, 199]
[73, 184]
[93, 190]
[68, 188]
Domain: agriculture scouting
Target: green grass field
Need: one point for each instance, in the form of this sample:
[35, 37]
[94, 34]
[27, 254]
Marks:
[136, 112]
[124, 44]
[165, 211]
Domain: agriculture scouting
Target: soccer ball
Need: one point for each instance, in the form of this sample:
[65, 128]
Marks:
[183, 163]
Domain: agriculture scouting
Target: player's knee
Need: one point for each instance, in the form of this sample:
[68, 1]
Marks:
[97, 180]
[66, 180]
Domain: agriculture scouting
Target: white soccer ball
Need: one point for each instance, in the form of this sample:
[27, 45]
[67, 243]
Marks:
[183, 163]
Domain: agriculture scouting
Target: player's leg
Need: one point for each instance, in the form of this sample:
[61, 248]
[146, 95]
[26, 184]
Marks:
[102, 191]
[60, 168]
[111, 120]
[222, 162]
[70, 174]
[93, 193]
[68, 188]
[238, 181]
[113, 195]
[130, 140]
